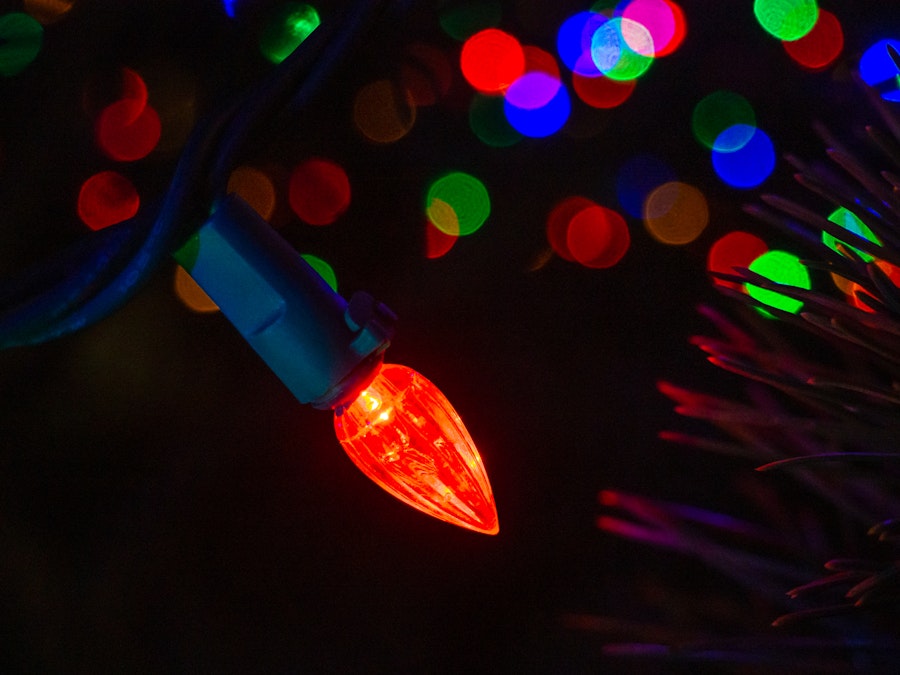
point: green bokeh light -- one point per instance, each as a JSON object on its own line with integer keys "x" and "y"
{"x": 461, "y": 20}
{"x": 782, "y": 268}
{"x": 849, "y": 221}
{"x": 466, "y": 195}
{"x": 289, "y": 25}
{"x": 719, "y": 111}
{"x": 323, "y": 268}
{"x": 787, "y": 20}
{"x": 489, "y": 123}
{"x": 20, "y": 42}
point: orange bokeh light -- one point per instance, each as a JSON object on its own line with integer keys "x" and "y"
{"x": 855, "y": 290}
{"x": 256, "y": 188}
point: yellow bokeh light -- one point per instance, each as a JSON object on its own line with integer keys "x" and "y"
{"x": 443, "y": 217}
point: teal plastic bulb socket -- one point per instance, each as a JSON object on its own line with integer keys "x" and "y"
{"x": 324, "y": 348}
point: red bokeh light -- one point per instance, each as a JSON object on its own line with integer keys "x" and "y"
{"x": 602, "y": 91}
{"x": 598, "y": 237}
{"x": 491, "y": 60}
{"x": 319, "y": 191}
{"x": 558, "y": 224}
{"x": 437, "y": 242}
{"x": 107, "y": 198}
{"x": 127, "y": 130}
{"x": 735, "y": 249}
{"x": 821, "y": 46}
{"x": 855, "y": 290}
{"x": 538, "y": 60}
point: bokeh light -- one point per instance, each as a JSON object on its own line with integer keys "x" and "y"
{"x": 491, "y": 60}
{"x": 107, "y": 198}
{"x": 734, "y": 250}
{"x": 539, "y": 60}
{"x": 319, "y": 191}
{"x": 855, "y": 290}
{"x": 573, "y": 42}
{"x": 442, "y": 217}
{"x": 601, "y": 91}
{"x": 786, "y": 19}
{"x": 289, "y": 24}
{"x": 103, "y": 87}
{"x": 384, "y": 111}
{"x": 662, "y": 18}
{"x": 488, "y": 122}
{"x": 597, "y": 237}
{"x": 676, "y": 213}
{"x": 545, "y": 105}
{"x": 461, "y": 20}
{"x": 718, "y": 111}
{"x": 437, "y": 242}
{"x": 843, "y": 284}
{"x": 191, "y": 294}
{"x": 877, "y": 69}
{"x": 821, "y": 46}
{"x": 134, "y": 89}
{"x": 750, "y": 164}
{"x": 558, "y": 224}
{"x": 126, "y": 131}
{"x": 533, "y": 90}
{"x": 850, "y": 222}
{"x": 323, "y": 269}
{"x": 622, "y": 49}
{"x": 48, "y": 11}
{"x": 255, "y": 187}
{"x": 426, "y": 74}
{"x": 457, "y": 203}
{"x": 21, "y": 37}
{"x": 637, "y": 178}
{"x": 176, "y": 98}
{"x": 782, "y": 268}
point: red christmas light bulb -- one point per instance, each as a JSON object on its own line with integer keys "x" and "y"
{"x": 402, "y": 432}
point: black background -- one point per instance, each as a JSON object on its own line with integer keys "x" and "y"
{"x": 165, "y": 505}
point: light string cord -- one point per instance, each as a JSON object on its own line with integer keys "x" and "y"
{"x": 95, "y": 277}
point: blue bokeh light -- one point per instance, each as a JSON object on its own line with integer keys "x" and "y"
{"x": 573, "y": 42}
{"x": 544, "y": 120}
{"x": 749, "y": 165}
{"x": 637, "y": 178}
{"x": 877, "y": 69}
